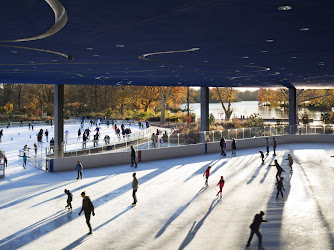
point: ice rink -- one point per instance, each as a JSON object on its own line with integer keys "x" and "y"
{"x": 174, "y": 210}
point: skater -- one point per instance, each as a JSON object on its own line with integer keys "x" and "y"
{"x": 88, "y": 208}
{"x": 207, "y": 174}
{"x": 280, "y": 187}
{"x": 66, "y": 136}
{"x": 79, "y": 168}
{"x": 25, "y": 158}
{"x": 1, "y": 133}
{"x": 5, "y": 161}
{"x": 255, "y": 227}
{"x": 134, "y": 189}
{"x": 47, "y": 135}
{"x": 84, "y": 140}
{"x": 234, "y": 147}
{"x": 267, "y": 145}
{"x": 290, "y": 162}
{"x": 262, "y": 156}
{"x": 279, "y": 170}
{"x": 52, "y": 144}
{"x": 69, "y": 199}
{"x": 133, "y": 157}
{"x": 79, "y": 134}
{"x": 221, "y": 184}
{"x": 223, "y": 146}
{"x": 154, "y": 139}
{"x": 35, "y": 147}
{"x": 274, "y": 146}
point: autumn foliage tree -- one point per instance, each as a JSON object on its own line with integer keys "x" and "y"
{"x": 226, "y": 97}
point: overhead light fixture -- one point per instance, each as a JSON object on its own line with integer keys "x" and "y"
{"x": 245, "y": 57}
{"x": 96, "y": 55}
{"x": 269, "y": 40}
{"x": 89, "y": 48}
{"x": 284, "y": 7}
{"x": 264, "y": 51}
{"x": 304, "y": 29}
{"x": 119, "y": 45}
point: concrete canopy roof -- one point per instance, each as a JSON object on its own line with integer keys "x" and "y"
{"x": 237, "y": 43}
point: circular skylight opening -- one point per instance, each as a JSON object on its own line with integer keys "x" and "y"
{"x": 284, "y": 7}
{"x": 304, "y": 29}
{"x": 269, "y": 40}
{"x": 89, "y": 48}
{"x": 245, "y": 57}
{"x": 264, "y": 51}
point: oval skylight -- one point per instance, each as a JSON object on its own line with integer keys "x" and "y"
{"x": 304, "y": 29}
{"x": 284, "y": 7}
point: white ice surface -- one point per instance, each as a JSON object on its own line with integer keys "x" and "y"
{"x": 173, "y": 210}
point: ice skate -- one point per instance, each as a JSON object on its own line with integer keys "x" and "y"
{"x": 90, "y": 233}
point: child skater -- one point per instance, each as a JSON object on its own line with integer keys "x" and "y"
{"x": 221, "y": 185}
{"x": 262, "y": 156}
{"x": 207, "y": 174}
{"x": 280, "y": 187}
{"x": 69, "y": 199}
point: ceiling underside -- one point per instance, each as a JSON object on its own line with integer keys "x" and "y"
{"x": 237, "y": 43}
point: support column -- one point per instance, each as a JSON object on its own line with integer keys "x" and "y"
{"x": 204, "y": 109}
{"x": 59, "y": 120}
{"x": 292, "y": 110}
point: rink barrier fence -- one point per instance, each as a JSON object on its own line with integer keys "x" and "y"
{"x": 155, "y": 154}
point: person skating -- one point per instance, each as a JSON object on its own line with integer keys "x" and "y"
{"x": 262, "y": 156}
{"x": 69, "y": 199}
{"x": 47, "y": 135}
{"x": 88, "y": 208}
{"x": 221, "y": 184}
{"x": 35, "y": 147}
{"x": 133, "y": 157}
{"x": 223, "y": 146}
{"x": 79, "y": 134}
{"x": 207, "y": 174}
{"x": 234, "y": 147}
{"x": 25, "y": 158}
{"x": 280, "y": 186}
{"x": 79, "y": 168}
{"x": 274, "y": 146}
{"x": 290, "y": 162}
{"x": 5, "y": 161}
{"x": 267, "y": 145}
{"x": 279, "y": 169}
{"x": 255, "y": 227}
{"x": 1, "y": 134}
{"x": 52, "y": 144}
{"x": 134, "y": 189}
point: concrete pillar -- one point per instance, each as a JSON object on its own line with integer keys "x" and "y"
{"x": 292, "y": 110}
{"x": 59, "y": 120}
{"x": 204, "y": 109}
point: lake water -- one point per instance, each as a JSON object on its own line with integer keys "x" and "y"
{"x": 247, "y": 108}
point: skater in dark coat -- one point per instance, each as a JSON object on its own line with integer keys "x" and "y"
{"x": 207, "y": 174}
{"x": 274, "y": 146}
{"x": 88, "y": 208}
{"x": 279, "y": 169}
{"x": 255, "y": 227}
{"x": 47, "y": 135}
{"x": 262, "y": 156}
{"x": 1, "y": 134}
{"x": 79, "y": 168}
{"x": 134, "y": 189}
{"x": 69, "y": 199}
{"x": 223, "y": 146}
{"x": 280, "y": 186}
{"x": 290, "y": 162}
{"x": 133, "y": 157}
{"x": 267, "y": 145}
{"x": 234, "y": 147}
{"x": 5, "y": 161}
{"x": 221, "y": 184}
{"x": 79, "y": 134}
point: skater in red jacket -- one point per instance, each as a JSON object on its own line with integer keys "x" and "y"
{"x": 221, "y": 185}
{"x": 207, "y": 174}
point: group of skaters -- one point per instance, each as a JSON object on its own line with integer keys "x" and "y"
{"x": 258, "y": 219}
{"x": 87, "y": 204}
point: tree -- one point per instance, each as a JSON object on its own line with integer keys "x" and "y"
{"x": 225, "y": 96}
